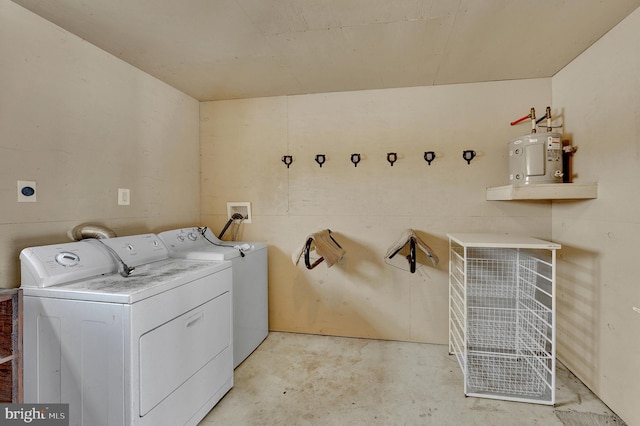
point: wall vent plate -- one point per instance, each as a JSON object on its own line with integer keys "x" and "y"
{"x": 242, "y": 207}
{"x": 26, "y": 191}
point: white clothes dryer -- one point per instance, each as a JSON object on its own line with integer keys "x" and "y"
{"x": 152, "y": 346}
{"x": 250, "y": 281}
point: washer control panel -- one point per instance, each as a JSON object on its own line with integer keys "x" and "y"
{"x": 179, "y": 240}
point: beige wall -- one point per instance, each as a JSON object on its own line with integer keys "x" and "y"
{"x": 368, "y": 206}
{"x": 598, "y": 285}
{"x": 82, "y": 123}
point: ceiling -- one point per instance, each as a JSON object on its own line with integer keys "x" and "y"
{"x": 230, "y": 49}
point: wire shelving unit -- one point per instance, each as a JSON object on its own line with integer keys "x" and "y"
{"x": 502, "y": 315}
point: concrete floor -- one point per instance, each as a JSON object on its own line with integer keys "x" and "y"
{"x": 299, "y": 379}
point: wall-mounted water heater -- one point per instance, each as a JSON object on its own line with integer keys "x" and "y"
{"x": 536, "y": 158}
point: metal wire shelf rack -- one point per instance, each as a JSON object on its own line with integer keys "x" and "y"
{"x": 502, "y": 315}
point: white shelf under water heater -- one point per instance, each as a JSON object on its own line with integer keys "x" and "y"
{"x": 543, "y": 191}
{"x": 502, "y": 315}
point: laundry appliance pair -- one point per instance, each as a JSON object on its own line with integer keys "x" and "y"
{"x": 133, "y": 331}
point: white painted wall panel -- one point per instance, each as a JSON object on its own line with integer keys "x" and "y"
{"x": 82, "y": 123}
{"x": 368, "y": 206}
{"x": 598, "y": 337}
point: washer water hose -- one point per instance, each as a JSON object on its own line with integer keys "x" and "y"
{"x": 236, "y": 216}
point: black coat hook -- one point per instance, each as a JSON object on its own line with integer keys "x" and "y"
{"x": 287, "y": 159}
{"x": 392, "y": 157}
{"x": 320, "y": 159}
{"x": 468, "y": 155}
{"x": 355, "y": 159}
{"x": 429, "y": 156}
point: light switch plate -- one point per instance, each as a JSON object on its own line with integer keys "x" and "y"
{"x": 124, "y": 197}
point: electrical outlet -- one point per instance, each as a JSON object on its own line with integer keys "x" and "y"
{"x": 124, "y": 197}
{"x": 26, "y": 191}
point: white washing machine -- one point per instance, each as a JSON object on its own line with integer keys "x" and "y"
{"x": 151, "y": 348}
{"x": 250, "y": 281}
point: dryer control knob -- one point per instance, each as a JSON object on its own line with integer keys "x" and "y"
{"x": 192, "y": 236}
{"x": 67, "y": 259}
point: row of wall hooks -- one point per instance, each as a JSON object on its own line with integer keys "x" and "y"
{"x": 392, "y": 157}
